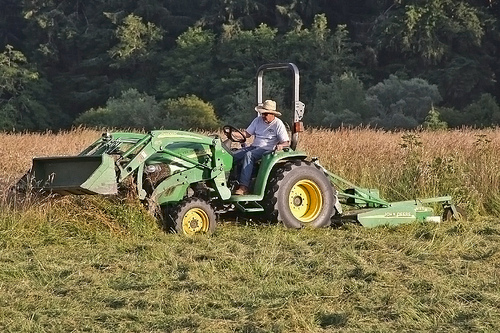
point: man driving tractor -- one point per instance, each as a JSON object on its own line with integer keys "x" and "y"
{"x": 270, "y": 134}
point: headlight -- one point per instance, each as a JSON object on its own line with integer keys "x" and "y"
{"x": 152, "y": 168}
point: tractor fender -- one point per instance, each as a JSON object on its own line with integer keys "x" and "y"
{"x": 166, "y": 192}
{"x": 174, "y": 187}
{"x": 268, "y": 162}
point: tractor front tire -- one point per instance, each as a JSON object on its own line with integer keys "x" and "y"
{"x": 300, "y": 195}
{"x": 191, "y": 216}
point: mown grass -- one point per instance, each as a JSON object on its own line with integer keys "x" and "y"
{"x": 120, "y": 272}
{"x": 104, "y": 265}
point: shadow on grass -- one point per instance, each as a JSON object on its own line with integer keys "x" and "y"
{"x": 327, "y": 320}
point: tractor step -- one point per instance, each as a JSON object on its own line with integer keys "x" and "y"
{"x": 249, "y": 197}
{"x": 249, "y": 206}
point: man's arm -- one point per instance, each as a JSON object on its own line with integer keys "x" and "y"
{"x": 246, "y": 134}
{"x": 282, "y": 135}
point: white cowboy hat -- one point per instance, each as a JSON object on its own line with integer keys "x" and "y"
{"x": 269, "y": 106}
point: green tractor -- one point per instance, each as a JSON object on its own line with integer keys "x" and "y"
{"x": 190, "y": 177}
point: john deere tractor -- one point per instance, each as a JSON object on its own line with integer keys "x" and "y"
{"x": 190, "y": 177}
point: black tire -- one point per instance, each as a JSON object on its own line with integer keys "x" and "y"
{"x": 300, "y": 195}
{"x": 448, "y": 214}
{"x": 191, "y": 216}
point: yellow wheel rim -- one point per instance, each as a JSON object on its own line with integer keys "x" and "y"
{"x": 195, "y": 220}
{"x": 305, "y": 200}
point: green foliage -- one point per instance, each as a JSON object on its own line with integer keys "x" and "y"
{"x": 131, "y": 110}
{"x": 396, "y": 120}
{"x": 141, "y": 111}
{"x": 239, "y": 53}
{"x": 246, "y": 48}
{"x": 86, "y": 53}
{"x": 454, "y": 118}
{"x": 189, "y": 112}
{"x": 69, "y": 43}
{"x": 319, "y": 53}
{"x": 24, "y": 104}
{"x": 433, "y": 122}
{"x": 483, "y": 112}
{"x": 239, "y": 107}
{"x": 136, "y": 55}
{"x": 443, "y": 41}
{"x": 136, "y": 39}
{"x": 187, "y": 68}
{"x": 431, "y": 28}
{"x": 462, "y": 79}
{"x": 340, "y": 102}
{"x": 304, "y": 43}
{"x": 401, "y": 103}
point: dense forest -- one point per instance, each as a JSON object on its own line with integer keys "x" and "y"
{"x": 192, "y": 63}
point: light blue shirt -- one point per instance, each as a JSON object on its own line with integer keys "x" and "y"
{"x": 267, "y": 136}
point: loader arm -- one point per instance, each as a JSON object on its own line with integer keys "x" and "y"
{"x": 174, "y": 187}
{"x": 212, "y": 170}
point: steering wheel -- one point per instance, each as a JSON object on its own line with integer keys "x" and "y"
{"x": 234, "y": 134}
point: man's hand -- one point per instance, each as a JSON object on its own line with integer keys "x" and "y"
{"x": 281, "y": 145}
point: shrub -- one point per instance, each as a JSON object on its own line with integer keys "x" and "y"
{"x": 342, "y": 101}
{"x": 398, "y": 99}
{"x": 433, "y": 122}
{"x": 131, "y": 110}
{"x": 189, "y": 112}
{"x": 453, "y": 117}
{"x": 484, "y": 112}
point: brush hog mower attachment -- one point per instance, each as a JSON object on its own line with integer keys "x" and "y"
{"x": 186, "y": 178}
{"x": 372, "y": 211}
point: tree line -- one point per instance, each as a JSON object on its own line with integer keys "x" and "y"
{"x": 191, "y": 64}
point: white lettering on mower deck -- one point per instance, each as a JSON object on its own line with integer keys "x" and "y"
{"x": 398, "y": 214}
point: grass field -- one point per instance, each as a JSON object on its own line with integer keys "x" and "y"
{"x": 94, "y": 264}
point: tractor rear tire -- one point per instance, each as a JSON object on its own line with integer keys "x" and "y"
{"x": 300, "y": 195}
{"x": 191, "y": 216}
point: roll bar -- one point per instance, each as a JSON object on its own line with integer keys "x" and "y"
{"x": 297, "y": 105}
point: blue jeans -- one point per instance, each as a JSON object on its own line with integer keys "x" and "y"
{"x": 247, "y": 156}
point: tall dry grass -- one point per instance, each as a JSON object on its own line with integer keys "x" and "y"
{"x": 17, "y": 150}
{"x": 405, "y": 165}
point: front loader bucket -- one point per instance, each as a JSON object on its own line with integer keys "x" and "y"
{"x": 75, "y": 174}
